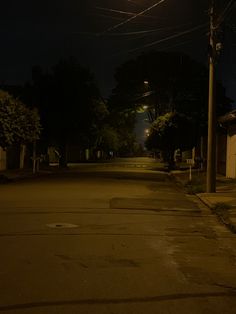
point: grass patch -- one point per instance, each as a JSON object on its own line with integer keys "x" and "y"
{"x": 195, "y": 189}
{"x": 195, "y": 186}
{"x": 222, "y": 209}
{"x": 222, "y": 206}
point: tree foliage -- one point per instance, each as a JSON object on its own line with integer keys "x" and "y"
{"x": 70, "y": 104}
{"x": 174, "y": 90}
{"x": 18, "y": 124}
{"x": 172, "y": 131}
{"x": 109, "y": 139}
{"x": 174, "y": 82}
{"x": 122, "y": 122}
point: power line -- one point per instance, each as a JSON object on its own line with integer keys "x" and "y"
{"x": 183, "y": 42}
{"x": 133, "y": 17}
{"x": 224, "y": 13}
{"x": 135, "y": 3}
{"x": 136, "y": 33}
{"x": 115, "y": 11}
{"x": 191, "y": 30}
{"x": 108, "y": 16}
{"x": 155, "y": 30}
{"x": 232, "y": 27}
{"x": 123, "y": 12}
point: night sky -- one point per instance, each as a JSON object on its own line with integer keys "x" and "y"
{"x": 42, "y": 32}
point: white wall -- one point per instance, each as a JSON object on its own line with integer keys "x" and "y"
{"x": 231, "y": 154}
{"x": 3, "y": 159}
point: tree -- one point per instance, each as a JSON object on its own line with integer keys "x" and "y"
{"x": 169, "y": 86}
{"x": 170, "y": 132}
{"x": 18, "y": 124}
{"x": 174, "y": 82}
{"x": 122, "y": 121}
{"x": 108, "y": 139}
{"x": 70, "y": 104}
{"x": 168, "y": 76}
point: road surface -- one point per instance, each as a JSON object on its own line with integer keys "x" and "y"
{"x": 117, "y": 239}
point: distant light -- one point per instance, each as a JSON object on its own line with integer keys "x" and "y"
{"x": 145, "y": 107}
{"x": 147, "y": 132}
{"x": 146, "y": 82}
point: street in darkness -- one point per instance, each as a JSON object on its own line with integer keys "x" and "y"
{"x": 85, "y": 227}
{"x": 112, "y": 238}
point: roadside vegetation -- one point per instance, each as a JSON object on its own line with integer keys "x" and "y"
{"x": 171, "y": 88}
{"x": 19, "y": 124}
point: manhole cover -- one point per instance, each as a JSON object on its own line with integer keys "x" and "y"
{"x": 61, "y": 225}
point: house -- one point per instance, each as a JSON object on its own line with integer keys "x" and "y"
{"x": 228, "y": 123}
{"x": 15, "y": 157}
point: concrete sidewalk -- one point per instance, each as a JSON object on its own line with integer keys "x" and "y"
{"x": 222, "y": 203}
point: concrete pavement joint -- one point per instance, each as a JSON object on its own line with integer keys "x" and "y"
{"x": 168, "y": 235}
{"x": 61, "y": 225}
{"x": 160, "y": 298}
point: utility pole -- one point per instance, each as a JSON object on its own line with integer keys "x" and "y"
{"x": 211, "y": 148}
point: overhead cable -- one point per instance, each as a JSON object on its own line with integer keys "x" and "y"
{"x": 191, "y": 30}
{"x": 141, "y": 32}
{"x": 224, "y": 13}
{"x": 184, "y": 42}
{"x": 155, "y": 30}
{"x": 133, "y": 17}
{"x": 123, "y": 12}
{"x": 115, "y": 11}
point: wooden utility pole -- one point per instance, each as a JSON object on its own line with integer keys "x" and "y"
{"x": 211, "y": 149}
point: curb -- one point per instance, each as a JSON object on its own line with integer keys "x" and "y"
{"x": 219, "y": 213}
{"x": 226, "y": 221}
{"x": 6, "y": 179}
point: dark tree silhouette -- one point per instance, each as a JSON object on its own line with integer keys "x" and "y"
{"x": 164, "y": 83}
{"x": 70, "y": 105}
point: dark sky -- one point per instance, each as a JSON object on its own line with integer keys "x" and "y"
{"x": 41, "y": 32}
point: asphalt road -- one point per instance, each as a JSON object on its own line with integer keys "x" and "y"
{"x": 112, "y": 239}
